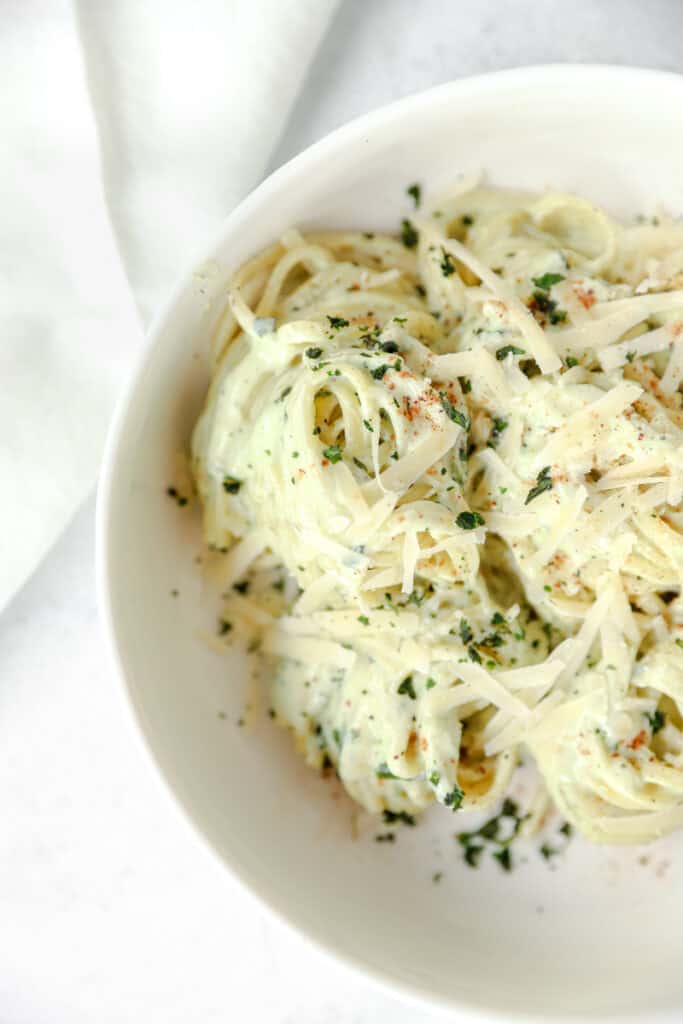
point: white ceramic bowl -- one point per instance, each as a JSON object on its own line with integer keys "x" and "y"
{"x": 600, "y": 936}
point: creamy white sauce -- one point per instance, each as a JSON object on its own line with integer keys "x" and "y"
{"x": 378, "y": 411}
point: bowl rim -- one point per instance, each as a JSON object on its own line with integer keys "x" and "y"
{"x": 624, "y": 76}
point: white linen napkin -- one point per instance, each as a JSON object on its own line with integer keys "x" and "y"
{"x": 130, "y": 129}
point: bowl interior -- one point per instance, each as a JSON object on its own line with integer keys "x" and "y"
{"x": 597, "y": 933}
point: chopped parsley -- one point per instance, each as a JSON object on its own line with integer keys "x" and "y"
{"x": 284, "y": 394}
{"x": 224, "y": 627}
{"x": 546, "y": 281}
{"x": 504, "y": 858}
{"x": 180, "y": 499}
{"x": 332, "y": 453}
{"x": 392, "y": 817}
{"x": 472, "y": 853}
{"x": 467, "y": 220}
{"x": 542, "y": 302}
{"x": 314, "y": 353}
{"x": 455, "y": 798}
{"x": 364, "y": 620}
{"x": 430, "y": 684}
{"x": 231, "y": 484}
{"x": 416, "y": 192}
{"x": 453, "y": 413}
{"x": 435, "y": 778}
{"x": 379, "y": 371}
{"x": 386, "y": 837}
{"x": 474, "y": 655}
{"x": 508, "y": 350}
{"x": 469, "y": 520}
{"x": 657, "y": 720}
{"x": 466, "y": 634}
{"x": 466, "y": 385}
{"x": 493, "y": 640}
{"x": 337, "y": 321}
{"x": 384, "y": 773}
{"x": 571, "y": 362}
{"x": 630, "y": 356}
{"x": 409, "y": 235}
{"x": 493, "y": 833}
{"x": 241, "y": 587}
{"x": 368, "y": 426}
{"x": 406, "y": 688}
{"x": 543, "y": 483}
{"x": 446, "y": 265}
{"x": 391, "y": 346}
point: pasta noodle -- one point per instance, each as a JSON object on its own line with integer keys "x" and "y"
{"x": 446, "y": 473}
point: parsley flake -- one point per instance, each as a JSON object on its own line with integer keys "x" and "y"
{"x": 416, "y": 192}
{"x": 546, "y": 281}
{"x": 332, "y": 453}
{"x": 453, "y": 413}
{"x": 409, "y": 235}
{"x": 446, "y": 265}
{"x": 469, "y": 520}
{"x": 504, "y": 858}
{"x": 543, "y": 483}
{"x": 391, "y": 817}
{"x": 508, "y": 350}
{"x": 455, "y": 798}
{"x": 407, "y": 689}
{"x": 231, "y": 484}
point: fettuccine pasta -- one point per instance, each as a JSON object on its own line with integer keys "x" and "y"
{"x": 445, "y": 473}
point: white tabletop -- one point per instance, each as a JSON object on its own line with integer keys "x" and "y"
{"x": 109, "y": 909}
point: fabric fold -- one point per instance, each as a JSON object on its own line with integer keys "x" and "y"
{"x": 130, "y": 131}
